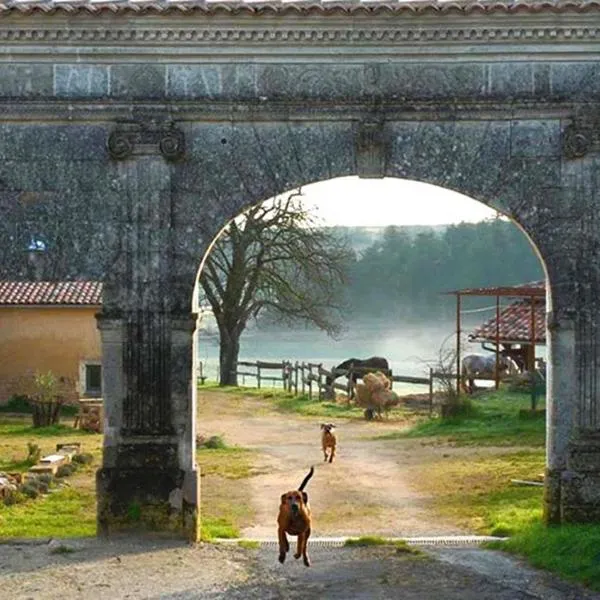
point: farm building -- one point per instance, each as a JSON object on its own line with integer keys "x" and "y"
{"x": 515, "y": 329}
{"x": 50, "y": 326}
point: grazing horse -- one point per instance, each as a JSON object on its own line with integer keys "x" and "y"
{"x": 476, "y": 366}
{"x": 374, "y": 363}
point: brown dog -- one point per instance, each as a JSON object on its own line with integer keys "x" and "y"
{"x": 295, "y": 518}
{"x": 328, "y": 440}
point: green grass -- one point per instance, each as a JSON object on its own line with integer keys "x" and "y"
{"x": 67, "y": 512}
{"x": 571, "y": 551}
{"x": 375, "y": 540}
{"x": 16, "y": 427}
{"x": 217, "y": 527}
{"x": 493, "y": 421}
{"x": 231, "y": 462}
{"x": 249, "y": 544}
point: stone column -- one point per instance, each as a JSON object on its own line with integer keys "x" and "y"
{"x": 574, "y": 418}
{"x": 148, "y": 478}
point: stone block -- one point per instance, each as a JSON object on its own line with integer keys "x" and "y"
{"x": 81, "y": 81}
{"x": 511, "y": 80}
{"x": 143, "y": 81}
{"x": 535, "y": 139}
{"x": 26, "y": 81}
{"x": 433, "y": 81}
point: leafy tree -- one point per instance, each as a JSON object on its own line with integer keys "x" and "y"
{"x": 273, "y": 259}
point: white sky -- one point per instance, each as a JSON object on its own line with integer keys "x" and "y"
{"x": 352, "y": 201}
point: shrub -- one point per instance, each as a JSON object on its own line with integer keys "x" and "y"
{"x": 18, "y": 404}
{"x": 34, "y": 453}
{"x": 83, "y": 458}
{"x": 46, "y": 478}
{"x": 14, "y": 497}
{"x": 215, "y": 441}
{"x": 66, "y": 470}
{"x": 30, "y": 489}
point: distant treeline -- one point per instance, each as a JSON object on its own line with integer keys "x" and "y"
{"x": 403, "y": 274}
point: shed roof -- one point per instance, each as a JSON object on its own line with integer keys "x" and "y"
{"x": 515, "y": 324}
{"x": 54, "y": 293}
{"x": 532, "y": 288}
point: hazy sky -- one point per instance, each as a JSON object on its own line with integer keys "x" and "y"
{"x": 376, "y": 202}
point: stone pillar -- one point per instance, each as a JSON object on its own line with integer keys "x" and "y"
{"x": 560, "y": 409}
{"x": 148, "y": 478}
{"x": 574, "y": 418}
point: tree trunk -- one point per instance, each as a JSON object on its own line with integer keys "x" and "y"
{"x": 228, "y": 358}
{"x": 46, "y": 413}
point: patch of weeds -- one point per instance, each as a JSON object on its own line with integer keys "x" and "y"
{"x": 66, "y": 470}
{"x": 83, "y": 458}
{"x": 214, "y": 442}
{"x": 134, "y": 512}
{"x": 249, "y": 544}
{"x": 61, "y": 549}
{"x": 402, "y": 547}
{"x": 367, "y": 540}
{"x": 217, "y": 528}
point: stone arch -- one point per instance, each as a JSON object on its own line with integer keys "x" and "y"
{"x": 134, "y": 163}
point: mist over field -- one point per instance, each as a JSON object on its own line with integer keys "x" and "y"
{"x": 409, "y": 346}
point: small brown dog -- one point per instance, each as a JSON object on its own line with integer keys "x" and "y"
{"x": 295, "y": 518}
{"x": 328, "y": 440}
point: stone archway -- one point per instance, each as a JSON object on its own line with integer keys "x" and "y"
{"x": 132, "y": 143}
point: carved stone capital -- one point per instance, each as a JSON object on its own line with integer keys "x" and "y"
{"x": 141, "y": 138}
{"x": 370, "y": 149}
{"x": 582, "y": 135}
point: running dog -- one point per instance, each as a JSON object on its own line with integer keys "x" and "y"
{"x": 328, "y": 440}
{"x": 295, "y": 519}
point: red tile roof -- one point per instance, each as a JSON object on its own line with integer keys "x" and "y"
{"x": 72, "y": 293}
{"x": 515, "y": 324}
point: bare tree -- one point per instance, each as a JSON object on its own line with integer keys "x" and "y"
{"x": 273, "y": 258}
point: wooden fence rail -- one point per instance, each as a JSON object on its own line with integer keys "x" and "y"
{"x": 303, "y": 378}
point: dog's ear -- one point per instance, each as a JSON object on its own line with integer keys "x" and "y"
{"x": 322, "y": 425}
{"x": 283, "y": 498}
{"x": 305, "y": 497}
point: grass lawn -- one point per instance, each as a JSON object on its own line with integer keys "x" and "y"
{"x": 71, "y": 511}
{"x": 494, "y": 420}
{"x": 66, "y": 511}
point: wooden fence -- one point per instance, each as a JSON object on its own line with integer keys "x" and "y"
{"x": 303, "y": 378}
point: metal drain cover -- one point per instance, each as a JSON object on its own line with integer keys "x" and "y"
{"x": 434, "y": 540}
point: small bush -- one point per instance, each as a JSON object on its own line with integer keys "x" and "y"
{"x": 66, "y": 470}
{"x": 17, "y": 404}
{"x": 34, "y": 453}
{"x": 30, "y": 489}
{"x": 215, "y": 441}
{"x": 14, "y": 497}
{"x": 83, "y": 459}
{"x": 46, "y": 478}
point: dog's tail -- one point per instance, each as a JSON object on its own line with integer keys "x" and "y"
{"x": 305, "y": 480}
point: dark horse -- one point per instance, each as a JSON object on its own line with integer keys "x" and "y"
{"x": 364, "y": 365}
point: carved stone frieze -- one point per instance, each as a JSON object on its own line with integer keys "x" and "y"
{"x": 137, "y": 138}
{"x": 244, "y": 34}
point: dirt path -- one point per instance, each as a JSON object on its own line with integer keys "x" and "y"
{"x": 365, "y": 491}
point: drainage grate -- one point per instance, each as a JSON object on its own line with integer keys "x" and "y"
{"x": 332, "y": 542}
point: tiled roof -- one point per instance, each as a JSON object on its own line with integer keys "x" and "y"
{"x": 515, "y": 324}
{"x": 300, "y": 6}
{"x": 73, "y": 293}
{"x": 532, "y": 288}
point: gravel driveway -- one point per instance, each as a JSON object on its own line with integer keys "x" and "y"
{"x": 146, "y": 569}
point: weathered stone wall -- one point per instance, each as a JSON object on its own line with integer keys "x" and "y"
{"x": 128, "y": 142}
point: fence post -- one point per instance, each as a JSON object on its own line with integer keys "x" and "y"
{"x": 258, "y": 374}
{"x": 310, "y": 381}
{"x": 302, "y": 376}
{"x": 296, "y": 368}
{"x": 349, "y": 388}
{"x": 430, "y": 391}
{"x": 320, "y": 380}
